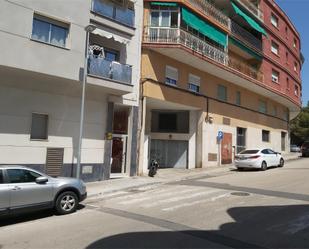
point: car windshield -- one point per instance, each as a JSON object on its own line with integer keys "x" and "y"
{"x": 249, "y": 152}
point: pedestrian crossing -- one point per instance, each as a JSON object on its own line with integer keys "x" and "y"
{"x": 168, "y": 198}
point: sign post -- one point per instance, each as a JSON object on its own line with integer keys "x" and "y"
{"x": 219, "y": 140}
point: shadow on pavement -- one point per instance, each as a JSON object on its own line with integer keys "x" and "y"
{"x": 254, "y": 227}
{"x": 29, "y": 216}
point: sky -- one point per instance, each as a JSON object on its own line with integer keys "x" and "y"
{"x": 298, "y": 10}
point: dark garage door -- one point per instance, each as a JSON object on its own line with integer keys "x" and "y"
{"x": 169, "y": 153}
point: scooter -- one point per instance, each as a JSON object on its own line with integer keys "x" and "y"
{"x": 153, "y": 168}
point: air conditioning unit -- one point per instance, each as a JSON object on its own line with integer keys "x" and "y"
{"x": 274, "y": 79}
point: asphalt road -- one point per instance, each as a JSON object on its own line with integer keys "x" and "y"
{"x": 249, "y": 209}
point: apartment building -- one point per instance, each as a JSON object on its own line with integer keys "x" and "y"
{"x": 217, "y": 77}
{"x": 43, "y": 53}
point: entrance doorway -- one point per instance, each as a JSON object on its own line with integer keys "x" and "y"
{"x": 226, "y": 149}
{"x": 120, "y": 139}
{"x": 241, "y": 139}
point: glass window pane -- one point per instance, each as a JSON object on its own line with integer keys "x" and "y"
{"x": 111, "y": 55}
{"x": 125, "y": 16}
{"x": 40, "y": 30}
{"x": 104, "y": 8}
{"x": 58, "y": 35}
{"x": 165, "y": 19}
{"x": 222, "y": 93}
{"x": 174, "y": 19}
{"x": 21, "y": 175}
{"x": 155, "y": 19}
{"x": 39, "y": 126}
{"x": 1, "y": 176}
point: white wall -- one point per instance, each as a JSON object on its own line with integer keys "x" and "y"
{"x": 16, "y": 107}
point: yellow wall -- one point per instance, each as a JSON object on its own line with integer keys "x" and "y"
{"x": 153, "y": 67}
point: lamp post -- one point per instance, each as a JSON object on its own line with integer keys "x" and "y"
{"x": 88, "y": 29}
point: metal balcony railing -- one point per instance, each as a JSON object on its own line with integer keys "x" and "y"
{"x": 210, "y": 10}
{"x": 113, "y": 70}
{"x": 253, "y": 9}
{"x": 245, "y": 68}
{"x": 179, "y": 36}
{"x": 110, "y": 10}
{"x": 245, "y": 35}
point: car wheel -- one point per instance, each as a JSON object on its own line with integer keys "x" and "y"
{"x": 264, "y": 166}
{"x": 66, "y": 203}
{"x": 281, "y": 164}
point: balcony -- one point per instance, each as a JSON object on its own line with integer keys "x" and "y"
{"x": 108, "y": 9}
{"x": 112, "y": 70}
{"x": 210, "y": 10}
{"x": 246, "y": 36}
{"x": 178, "y": 36}
{"x": 245, "y": 68}
{"x": 255, "y": 10}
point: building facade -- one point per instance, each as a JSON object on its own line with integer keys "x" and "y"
{"x": 43, "y": 47}
{"x": 213, "y": 69}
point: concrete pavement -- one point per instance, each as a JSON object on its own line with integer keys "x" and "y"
{"x": 123, "y": 185}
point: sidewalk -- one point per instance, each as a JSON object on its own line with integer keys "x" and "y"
{"x": 130, "y": 184}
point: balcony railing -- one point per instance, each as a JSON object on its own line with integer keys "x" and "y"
{"x": 210, "y": 10}
{"x": 179, "y": 36}
{"x": 243, "y": 34}
{"x": 103, "y": 68}
{"x": 112, "y": 11}
{"x": 246, "y": 69}
{"x": 253, "y": 9}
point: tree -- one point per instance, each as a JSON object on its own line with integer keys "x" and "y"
{"x": 300, "y": 126}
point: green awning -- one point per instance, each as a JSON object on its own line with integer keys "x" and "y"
{"x": 246, "y": 49}
{"x": 203, "y": 27}
{"x": 249, "y": 20}
{"x": 165, "y": 4}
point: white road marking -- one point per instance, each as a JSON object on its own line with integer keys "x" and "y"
{"x": 188, "y": 204}
{"x": 180, "y": 198}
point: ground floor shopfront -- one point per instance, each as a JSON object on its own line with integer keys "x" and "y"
{"x": 39, "y": 128}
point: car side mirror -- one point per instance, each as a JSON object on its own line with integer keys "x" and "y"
{"x": 41, "y": 180}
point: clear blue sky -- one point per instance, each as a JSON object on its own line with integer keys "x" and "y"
{"x": 298, "y": 11}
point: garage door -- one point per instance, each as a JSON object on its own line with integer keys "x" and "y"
{"x": 169, "y": 153}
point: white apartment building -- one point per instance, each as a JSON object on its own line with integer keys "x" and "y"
{"x": 43, "y": 47}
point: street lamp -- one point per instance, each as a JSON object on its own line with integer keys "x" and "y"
{"x": 88, "y": 29}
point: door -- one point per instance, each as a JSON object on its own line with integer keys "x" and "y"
{"x": 119, "y": 153}
{"x": 283, "y": 145}
{"x": 275, "y": 158}
{"x": 170, "y": 153}
{"x": 4, "y": 193}
{"x": 25, "y": 191}
{"x": 241, "y": 139}
{"x": 268, "y": 157}
{"x": 226, "y": 149}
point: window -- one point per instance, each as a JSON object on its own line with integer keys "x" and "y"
{"x": 111, "y": 55}
{"x": 49, "y": 31}
{"x": 286, "y": 32}
{"x": 164, "y": 18}
{"x": 1, "y": 177}
{"x": 295, "y": 66}
{"x": 171, "y": 75}
{"x": 265, "y": 136}
{"x": 274, "y": 48}
{"x": 287, "y": 57}
{"x": 262, "y": 106}
{"x": 296, "y": 91}
{"x": 275, "y": 112}
{"x": 275, "y": 76}
{"x": 238, "y": 98}
{"x": 194, "y": 83}
{"x": 274, "y": 20}
{"x": 39, "y": 126}
{"x": 117, "y": 11}
{"x": 170, "y": 121}
{"x": 21, "y": 175}
{"x": 222, "y": 93}
{"x": 287, "y": 84}
{"x": 294, "y": 43}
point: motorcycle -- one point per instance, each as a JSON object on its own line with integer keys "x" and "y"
{"x": 153, "y": 168}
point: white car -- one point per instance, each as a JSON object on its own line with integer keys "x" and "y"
{"x": 258, "y": 159}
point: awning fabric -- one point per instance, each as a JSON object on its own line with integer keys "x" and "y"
{"x": 109, "y": 35}
{"x": 244, "y": 48}
{"x": 249, "y": 20}
{"x": 165, "y": 4}
{"x": 203, "y": 27}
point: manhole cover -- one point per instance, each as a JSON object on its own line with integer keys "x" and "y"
{"x": 240, "y": 194}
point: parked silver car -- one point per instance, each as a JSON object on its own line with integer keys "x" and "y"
{"x": 25, "y": 189}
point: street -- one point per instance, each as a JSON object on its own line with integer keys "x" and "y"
{"x": 249, "y": 209}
